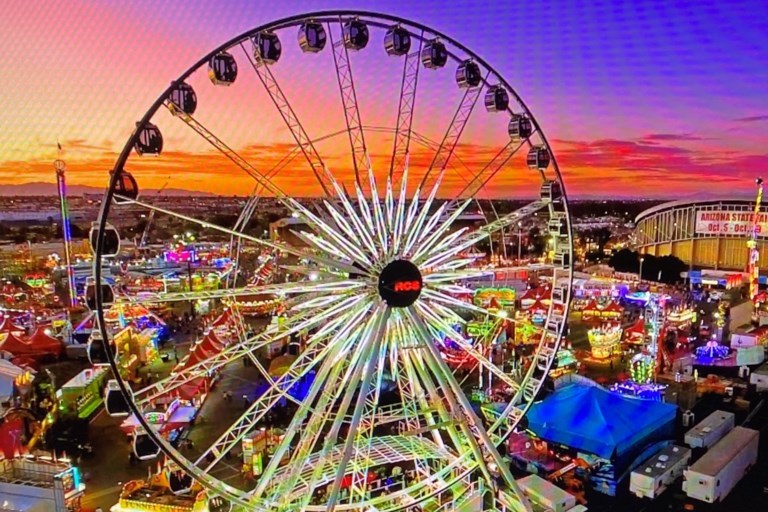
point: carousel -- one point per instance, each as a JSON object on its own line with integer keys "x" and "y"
{"x": 605, "y": 340}
{"x": 681, "y": 318}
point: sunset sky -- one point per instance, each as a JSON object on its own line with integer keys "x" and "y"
{"x": 638, "y": 98}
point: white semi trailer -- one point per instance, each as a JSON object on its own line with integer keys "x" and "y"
{"x": 654, "y": 475}
{"x": 710, "y": 430}
{"x": 713, "y": 476}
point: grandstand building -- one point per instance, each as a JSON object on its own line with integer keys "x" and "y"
{"x": 708, "y": 234}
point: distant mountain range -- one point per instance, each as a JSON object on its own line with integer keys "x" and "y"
{"x": 50, "y": 189}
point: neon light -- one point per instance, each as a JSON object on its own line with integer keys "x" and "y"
{"x": 66, "y": 230}
{"x": 407, "y": 286}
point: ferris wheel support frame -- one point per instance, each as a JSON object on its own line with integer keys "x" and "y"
{"x": 561, "y": 254}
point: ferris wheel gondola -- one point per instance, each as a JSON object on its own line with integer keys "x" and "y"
{"x": 397, "y": 41}
{"x": 115, "y": 401}
{"x": 184, "y": 99}
{"x": 382, "y": 265}
{"x": 110, "y": 241}
{"x": 434, "y": 55}
{"x": 143, "y": 445}
{"x": 149, "y": 141}
{"x": 222, "y": 69}
{"x": 312, "y": 37}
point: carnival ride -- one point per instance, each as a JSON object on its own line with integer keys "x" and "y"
{"x": 66, "y": 229}
{"x": 754, "y": 255}
{"x": 386, "y": 261}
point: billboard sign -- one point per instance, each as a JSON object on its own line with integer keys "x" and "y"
{"x": 718, "y": 222}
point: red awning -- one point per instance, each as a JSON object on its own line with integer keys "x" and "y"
{"x": 9, "y": 327}
{"x": 43, "y": 343}
{"x": 15, "y": 345}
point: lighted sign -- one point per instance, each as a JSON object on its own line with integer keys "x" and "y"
{"x": 400, "y": 284}
{"x": 70, "y": 481}
{"x": 720, "y": 222}
{"x": 154, "y": 418}
{"x": 407, "y": 286}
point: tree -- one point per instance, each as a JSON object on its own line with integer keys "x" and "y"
{"x": 625, "y": 260}
{"x": 665, "y": 269}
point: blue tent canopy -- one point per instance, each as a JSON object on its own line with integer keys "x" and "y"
{"x": 594, "y": 420}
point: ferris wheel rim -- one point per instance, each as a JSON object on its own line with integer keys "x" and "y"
{"x": 125, "y": 153}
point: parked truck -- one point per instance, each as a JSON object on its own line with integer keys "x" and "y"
{"x": 713, "y": 476}
{"x": 710, "y": 430}
{"x": 654, "y": 475}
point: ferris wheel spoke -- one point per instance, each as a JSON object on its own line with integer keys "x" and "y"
{"x": 352, "y": 228}
{"x": 414, "y": 224}
{"x": 379, "y": 218}
{"x": 349, "y": 103}
{"x": 290, "y": 118}
{"x": 325, "y": 392}
{"x": 503, "y": 222}
{"x": 438, "y": 325}
{"x": 451, "y": 417}
{"x": 337, "y": 285}
{"x": 329, "y": 262}
{"x": 439, "y": 239}
{"x": 453, "y": 133}
{"x": 449, "y": 277}
{"x": 262, "y": 179}
{"x": 366, "y": 403}
{"x": 407, "y": 105}
{"x": 319, "y": 346}
{"x": 455, "y": 393}
{"x": 486, "y": 174}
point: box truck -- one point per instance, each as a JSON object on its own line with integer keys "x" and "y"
{"x": 713, "y": 476}
{"x": 710, "y": 430}
{"x": 654, "y": 475}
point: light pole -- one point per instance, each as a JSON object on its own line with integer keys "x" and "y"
{"x": 641, "y": 268}
{"x": 519, "y": 241}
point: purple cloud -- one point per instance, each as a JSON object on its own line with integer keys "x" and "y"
{"x": 671, "y": 137}
{"x": 752, "y": 119}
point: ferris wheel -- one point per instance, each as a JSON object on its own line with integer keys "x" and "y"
{"x": 428, "y": 134}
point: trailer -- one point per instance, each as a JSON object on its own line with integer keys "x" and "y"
{"x": 654, "y": 475}
{"x": 713, "y": 476}
{"x": 710, "y": 430}
{"x": 545, "y": 494}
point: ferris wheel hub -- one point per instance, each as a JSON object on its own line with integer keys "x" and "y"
{"x": 400, "y": 284}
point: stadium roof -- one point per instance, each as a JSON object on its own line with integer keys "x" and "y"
{"x": 681, "y": 203}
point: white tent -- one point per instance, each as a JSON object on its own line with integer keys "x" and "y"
{"x": 8, "y": 373}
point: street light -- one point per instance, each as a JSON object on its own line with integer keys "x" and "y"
{"x": 641, "y": 267}
{"x": 519, "y": 241}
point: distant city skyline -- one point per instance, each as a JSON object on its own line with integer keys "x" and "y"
{"x": 637, "y": 98}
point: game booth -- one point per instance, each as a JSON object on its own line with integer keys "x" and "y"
{"x": 612, "y": 312}
{"x": 82, "y": 395}
{"x": 135, "y": 348}
{"x": 591, "y": 311}
{"x": 504, "y": 297}
{"x": 169, "y": 421}
{"x": 541, "y": 294}
{"x": 613, "y": 433}
{"x": 259, "y": 306}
